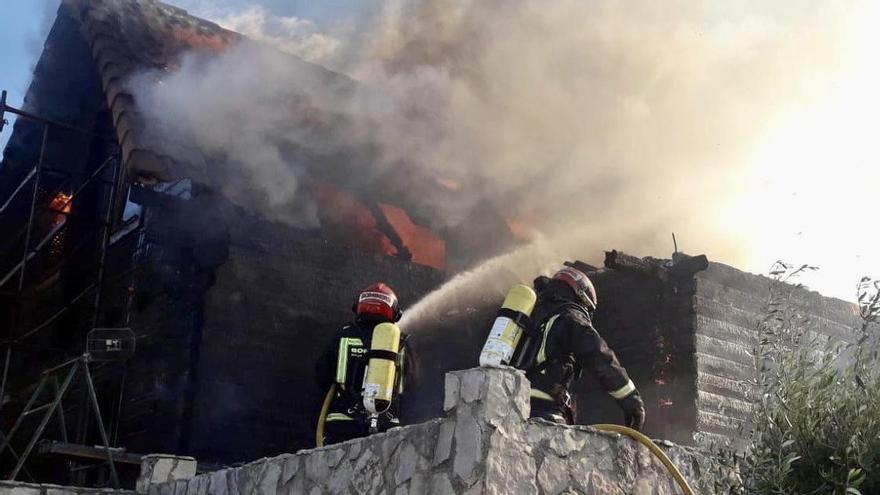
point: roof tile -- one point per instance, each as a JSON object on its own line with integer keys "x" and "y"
{"x": 131, "y": 35}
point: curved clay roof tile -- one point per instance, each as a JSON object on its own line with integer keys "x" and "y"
{"x": 121, "y": 104}
{"x": 116, "y": 58}
{"x": 103, "y": 45}
{"x": 113, "y": 73}
{"x": 126, "y": 124}
{"x": 132, "y": 36}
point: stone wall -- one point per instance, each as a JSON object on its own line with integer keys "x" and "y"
{"x": 484, "y": 444}
{"x": 19, "y": 488}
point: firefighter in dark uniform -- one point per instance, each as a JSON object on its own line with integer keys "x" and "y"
{"x": 568, "y": 345}
{"x": 344, "y": 363}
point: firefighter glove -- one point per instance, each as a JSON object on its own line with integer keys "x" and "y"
{"x": 540, "y": 283}
{"x": 633, "y": 411}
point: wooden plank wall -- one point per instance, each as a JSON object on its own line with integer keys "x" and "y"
{"x": 728, "y": 303}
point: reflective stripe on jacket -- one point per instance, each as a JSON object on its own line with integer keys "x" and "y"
{"x": 570, "y": 344}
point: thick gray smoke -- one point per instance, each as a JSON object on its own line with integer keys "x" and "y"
{"x": 622, "y": 122}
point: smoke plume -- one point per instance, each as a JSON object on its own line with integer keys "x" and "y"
{"x": 621, "y": 122}
{"x": 290, "y": 34}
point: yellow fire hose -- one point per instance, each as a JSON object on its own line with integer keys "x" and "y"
{"x": 642, "y": 439}
{"x": 319, "y": 431}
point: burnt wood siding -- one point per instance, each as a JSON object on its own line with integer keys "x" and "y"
{"x": 279, "y": 299}
{"x": 232, "y": 312}
{"x": 648, "y": 322}
{"x": 728, "y": 305}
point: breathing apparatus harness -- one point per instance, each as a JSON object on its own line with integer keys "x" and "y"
{"x": 382, "y": 378}
{"x": 382, "y": 375}
{"x": 528, "y": 356}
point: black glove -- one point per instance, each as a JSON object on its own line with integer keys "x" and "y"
{"x": 633, "y": 411}
{"x": 540, "y": 283}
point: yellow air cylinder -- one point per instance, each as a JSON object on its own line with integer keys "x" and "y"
{"x": 379, "y": 380}
{"x": 509, "y": 326}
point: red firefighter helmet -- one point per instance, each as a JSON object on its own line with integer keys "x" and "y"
{"x": 580, "y": 283}
{"x": 377, "y": 302}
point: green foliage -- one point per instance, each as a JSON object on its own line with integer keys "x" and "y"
{"x": 815, "y": 426}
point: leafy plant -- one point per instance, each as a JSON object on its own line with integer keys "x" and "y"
{"x": 815, "y": 426}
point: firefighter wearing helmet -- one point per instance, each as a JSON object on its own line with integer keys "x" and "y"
{"x": 342, "y": 369}
{"x": 566, "y": 344}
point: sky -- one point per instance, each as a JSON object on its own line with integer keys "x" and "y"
{"x": 23, "y": 25}
{"x": 807, "y": 191}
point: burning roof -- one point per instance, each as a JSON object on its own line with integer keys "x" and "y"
{"x": 354, "y": 200}
{"x": 127, "y": 36}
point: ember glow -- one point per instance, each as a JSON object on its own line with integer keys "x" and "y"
{"x": 195, "y": 39}
{"x": 62, "y": 204}
{"x": 661, "y": 365}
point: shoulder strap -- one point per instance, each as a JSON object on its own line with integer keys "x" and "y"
{"x": 537, "y": 336}
{"x": 345, "y": 343}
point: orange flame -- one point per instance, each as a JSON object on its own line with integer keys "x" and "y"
{"x": 62, "y": 202}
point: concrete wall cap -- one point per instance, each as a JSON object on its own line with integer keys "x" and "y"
{"x": 169, "y": 456}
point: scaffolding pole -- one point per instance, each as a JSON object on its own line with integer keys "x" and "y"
{"x": 4, "y": 107}
{"x": 105, "y": 240}
{"x": 27, "y": 236}
{"x": 5, "y": 374}
{"x": 18, "y": 189}
{"x": 106, "y": 222}
{"x": 81, "y": 365}
{"x": 23, "y": 264}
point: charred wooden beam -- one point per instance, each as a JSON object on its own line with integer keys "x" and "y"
{"x": 680, "y": 265}
{"x": 87, "y": 452}
{"x": 385, "y": 227}
{"x": 617, "y": 260}
{"x": 683, "y": 264}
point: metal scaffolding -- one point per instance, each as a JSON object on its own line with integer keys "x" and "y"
{"x": 36, "y": 237}
{"x": 54, "y": 408}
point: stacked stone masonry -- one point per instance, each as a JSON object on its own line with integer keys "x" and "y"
{"x": 18, "y": 488}
{"x": 160, "y": 468}
{"x": 485, "y": 444}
